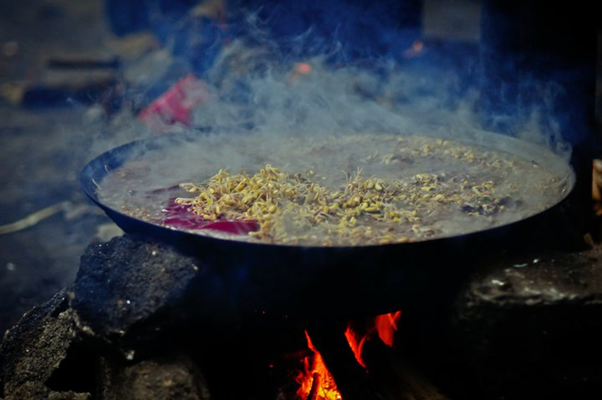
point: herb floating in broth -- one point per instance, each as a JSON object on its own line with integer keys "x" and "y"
{"x": 296, "y": 209}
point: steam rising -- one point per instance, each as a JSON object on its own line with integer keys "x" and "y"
{"x": 261, "y": 92}
{"x": 361, "y": 79}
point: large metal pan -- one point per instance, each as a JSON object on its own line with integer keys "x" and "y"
{"x": 332, "y": 280}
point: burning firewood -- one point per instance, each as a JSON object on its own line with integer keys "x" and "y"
{"x": 597, "y": 186}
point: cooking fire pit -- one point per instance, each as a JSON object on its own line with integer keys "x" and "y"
{"x": 144, "y": 319}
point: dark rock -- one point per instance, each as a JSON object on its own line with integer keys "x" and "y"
{"x": 33, "y": 350}
{"x": 174, "y": 378}
{"x": 54, "y": 352}
{"x": 132, "y": 290}
{"x": 123, "y": 282}
{"x": 524, "y": 327}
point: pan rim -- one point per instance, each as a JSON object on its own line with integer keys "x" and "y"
{"x": 117, "y": 156}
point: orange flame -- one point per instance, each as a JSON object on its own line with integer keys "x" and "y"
{"x": 315, "y": 379}
{"x": 317, "y": 383}
{"x": 356, "y": 341}
{"x": 386, "y": 326}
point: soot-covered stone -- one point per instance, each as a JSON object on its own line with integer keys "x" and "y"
{"x": 45, "y": 357}
{"x": 34, "y": 349}
{"x": 134, "y": 290}
{"x": 525, "y": 326}
{"x": 174, "y": 378}
{"x": 114, "y": 334}
{"x": 125, "y": 281}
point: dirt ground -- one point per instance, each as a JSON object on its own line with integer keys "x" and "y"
{"x": 41, "y": 153}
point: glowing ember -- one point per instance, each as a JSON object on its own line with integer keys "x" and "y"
{"x": 303, "y": 68}
{"x": 317, "y": 383}
{"x": 415, "y": 50}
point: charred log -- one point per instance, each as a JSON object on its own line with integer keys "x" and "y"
{"x": 397, "y": 377}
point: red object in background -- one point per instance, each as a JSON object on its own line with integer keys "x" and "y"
{"x": 175, "y": 104}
